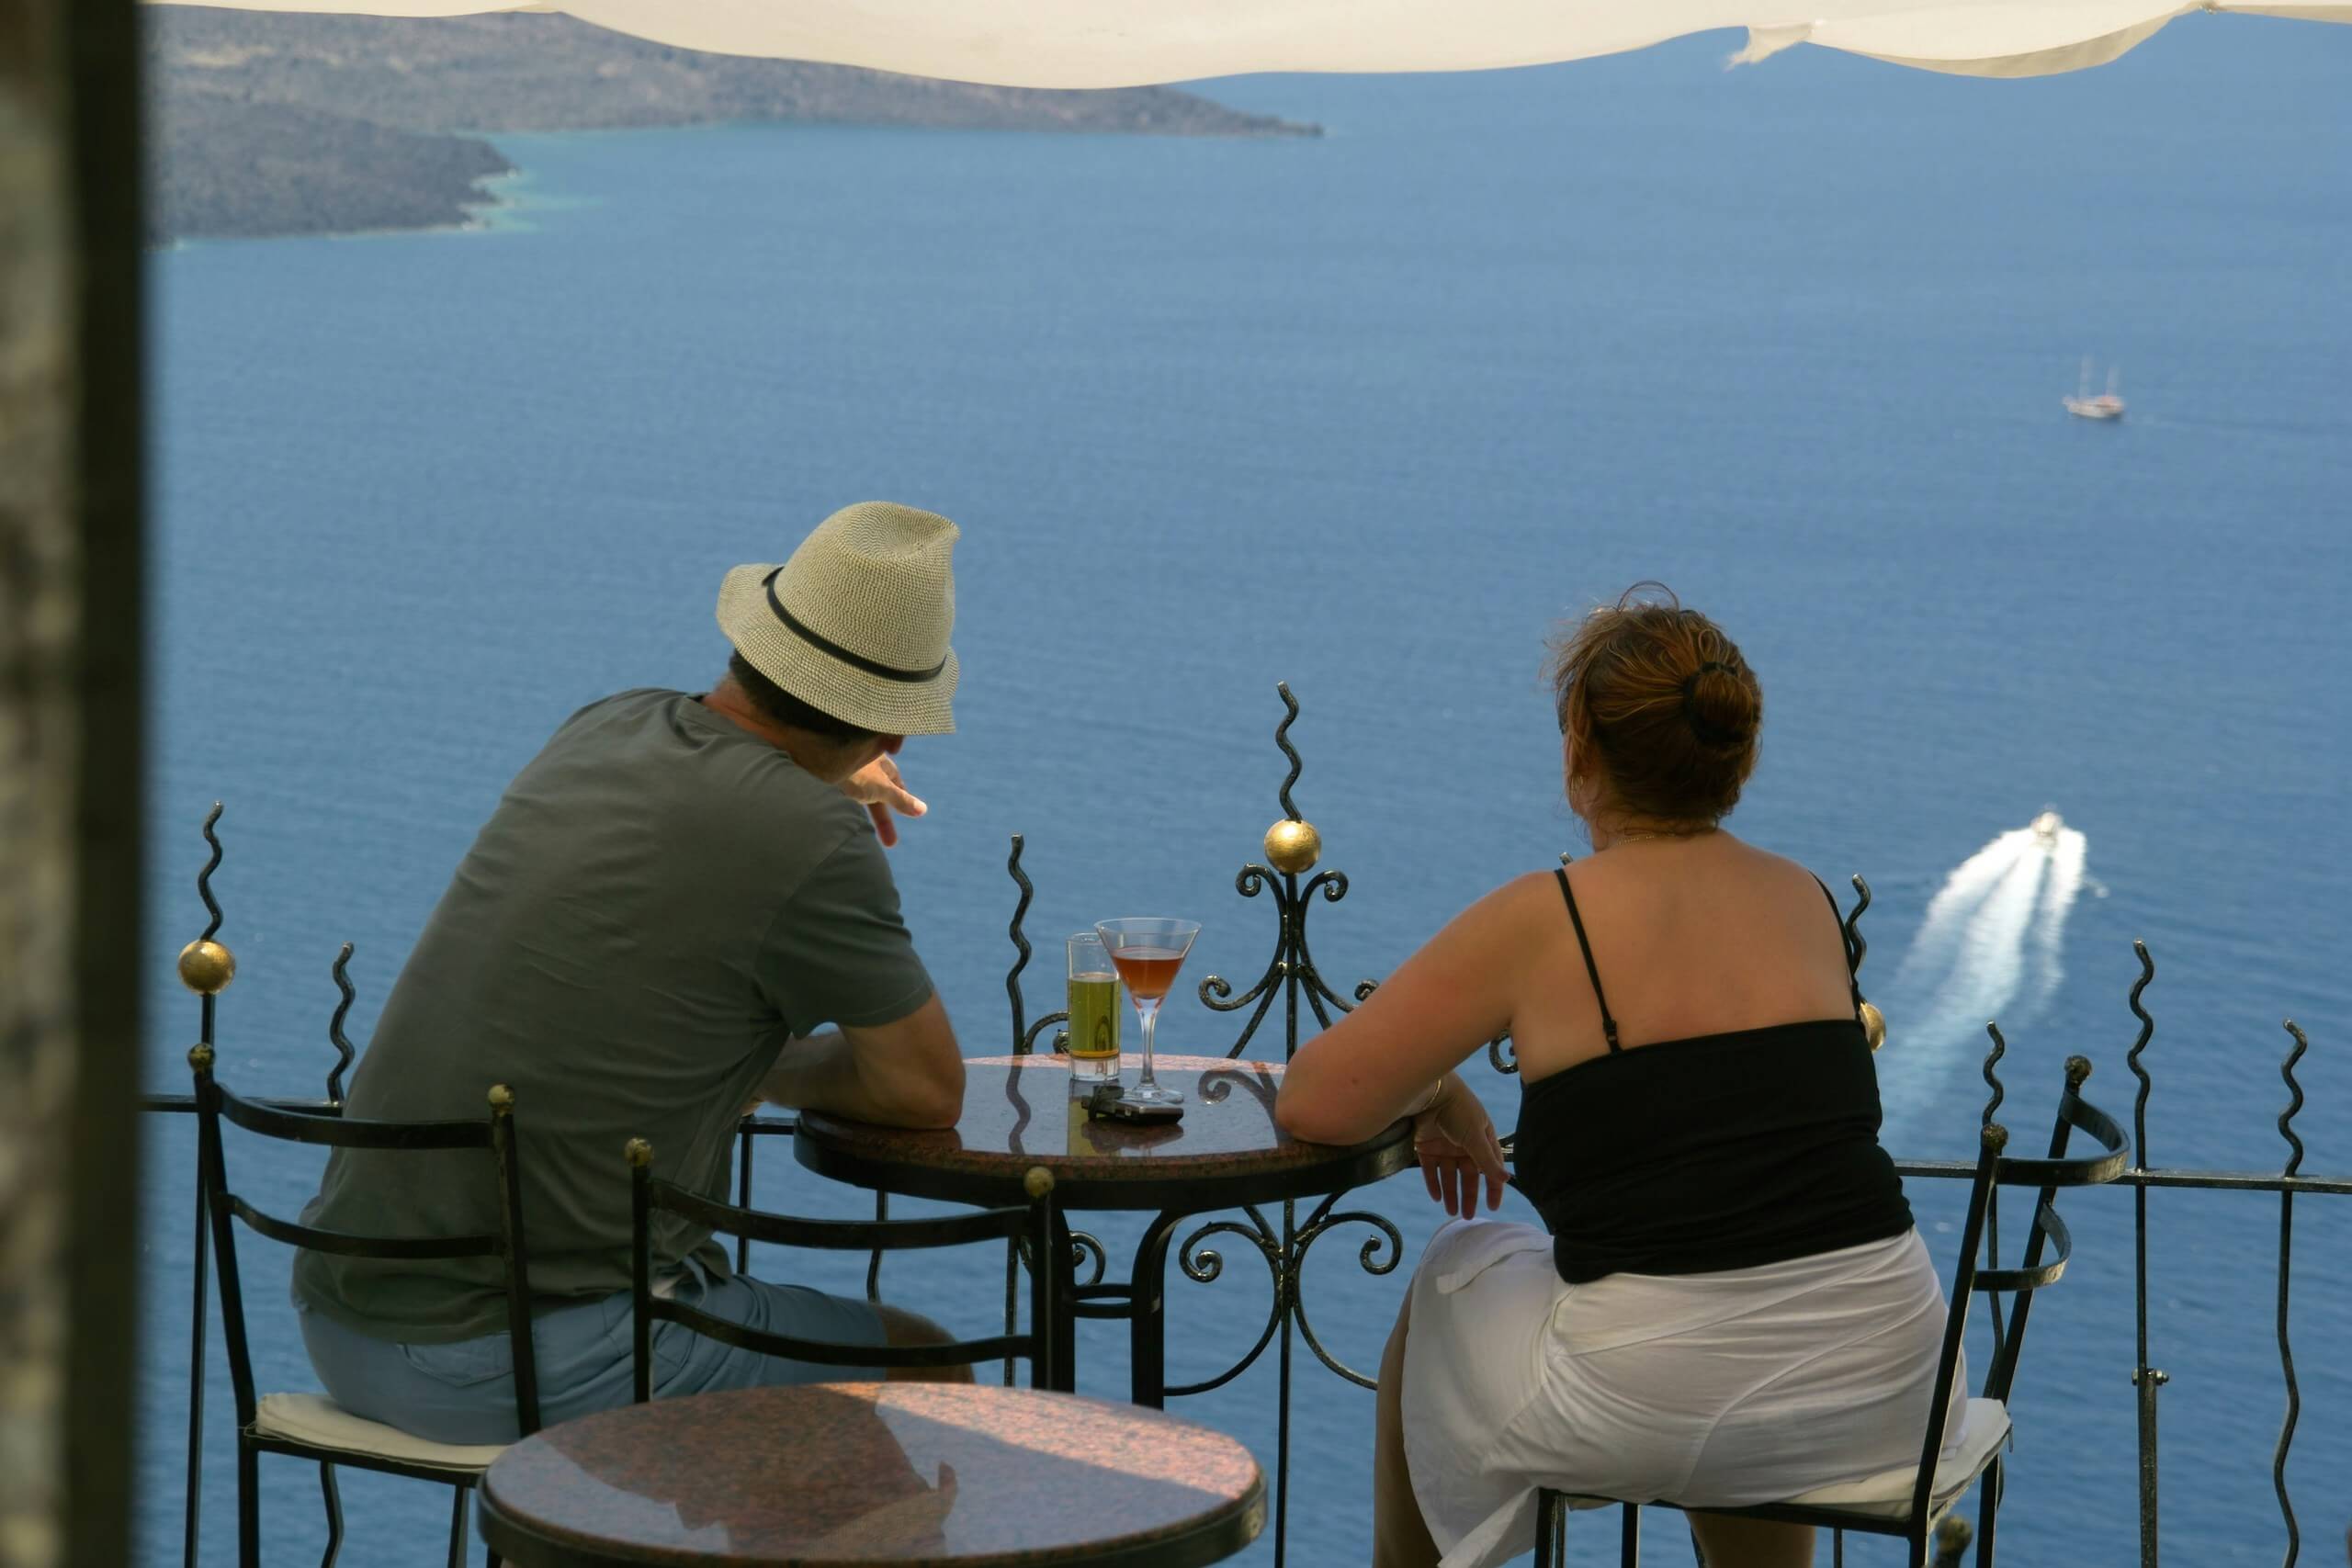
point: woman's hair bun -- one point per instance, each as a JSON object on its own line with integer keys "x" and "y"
{"x": 1663, "y": 700}
{"x": 1721, "y": 707}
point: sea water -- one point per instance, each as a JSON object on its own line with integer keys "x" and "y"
{"x": 1371, "y": 413}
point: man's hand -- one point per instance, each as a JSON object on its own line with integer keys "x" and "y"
{"x": 877, "y": 787}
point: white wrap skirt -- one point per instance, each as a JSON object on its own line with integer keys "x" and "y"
{"x": 1751, "y": 1385}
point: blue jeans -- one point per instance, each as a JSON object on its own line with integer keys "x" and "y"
{"x": 464, "y": 1392}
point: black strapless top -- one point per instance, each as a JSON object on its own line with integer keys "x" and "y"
{"x": 1719, "y": 1151}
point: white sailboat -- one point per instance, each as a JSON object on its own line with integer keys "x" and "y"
{"x": 2105, "y": 405}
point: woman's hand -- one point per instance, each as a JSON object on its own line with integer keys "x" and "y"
{"x": 1454, "y": 1139}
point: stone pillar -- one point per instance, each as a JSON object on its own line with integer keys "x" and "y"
{"x": 71, "y": 628}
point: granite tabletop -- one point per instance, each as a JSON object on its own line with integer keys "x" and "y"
{"x": 967, "y": 1475}
{"x": 1018, "y": 1112}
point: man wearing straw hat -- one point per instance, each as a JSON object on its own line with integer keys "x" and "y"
{"x": 680, "y": 906}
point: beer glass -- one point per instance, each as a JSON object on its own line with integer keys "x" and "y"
{"x": 1095, "y": 1013}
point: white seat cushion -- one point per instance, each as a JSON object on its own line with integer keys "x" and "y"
{"x": 315, "y": 1419}
{"x": 1983, "y": 1427}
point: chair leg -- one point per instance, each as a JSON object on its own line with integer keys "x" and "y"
{"x": 1549, "y": 1534}
{"x": 458, "y": 1526}
{"x": 1837, "y": 1549}
{"x": 328, "y": 1490}
{"x": 1628, "y": 1536}
{"x": 1995, "y": 1479}
{"x": 248, "y": 1506}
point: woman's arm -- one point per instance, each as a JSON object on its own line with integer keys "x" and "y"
{"x": 1388, "y": 1058}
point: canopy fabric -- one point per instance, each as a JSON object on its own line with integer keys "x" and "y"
{"x": 1124, "y": 43}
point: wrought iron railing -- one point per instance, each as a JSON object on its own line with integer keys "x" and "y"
{"x": 1293, "y": 848}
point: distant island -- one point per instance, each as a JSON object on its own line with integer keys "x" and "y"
{"x": 267, "y": 123}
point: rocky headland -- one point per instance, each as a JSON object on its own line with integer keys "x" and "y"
{"x": 275, "y": 123}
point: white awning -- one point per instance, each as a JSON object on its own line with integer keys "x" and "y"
{"x": 1121, "y": 43}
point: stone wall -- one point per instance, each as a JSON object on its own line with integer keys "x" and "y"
{"x": 69, "y": 788}
{"x": 40, "y": 749}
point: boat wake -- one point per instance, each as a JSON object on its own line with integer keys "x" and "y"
{"x": 1992, "y": 946}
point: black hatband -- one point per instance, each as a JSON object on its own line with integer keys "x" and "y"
{"x": 826, "y": 644}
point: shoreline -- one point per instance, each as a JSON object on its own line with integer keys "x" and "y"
{"x": 281, "y": 125}
{"x": 495, "y": 201}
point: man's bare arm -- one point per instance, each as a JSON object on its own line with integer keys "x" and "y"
{"x": 906, "y": 1074}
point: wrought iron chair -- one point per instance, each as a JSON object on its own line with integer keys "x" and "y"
{"x": 1911, "y": 1503}
{"x": 311, "y": 1425}
{"x": 1032, "y": 1226}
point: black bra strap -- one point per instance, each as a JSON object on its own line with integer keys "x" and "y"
{"x": 1608, "y": 1024}
{"x": 1853, "y": 965}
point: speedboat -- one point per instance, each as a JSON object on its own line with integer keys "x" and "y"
{"x": 2046, "y": 828}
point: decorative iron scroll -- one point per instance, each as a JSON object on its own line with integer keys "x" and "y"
{"x": 1293, "y": 846}
{"x": 1205, "y": 1265}
{"x": 2286, "y": 1256}
{"x": 1857, "y": 947}
{"x": 192, "y": 1520}
{"x": 1992, "y": 1199}
{"x": 2145, "y": 1380}
{"x": 1368, "y": 1257}
{"x": 343, "y": 1047}
{"x": 1992, "y": 1079}
{"x": 1020, "y": 946}
{"x": 204, "y": 877}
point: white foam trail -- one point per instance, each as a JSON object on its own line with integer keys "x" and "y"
{"x": 1991, "y": 946}
{"x": 2059, "y": 890}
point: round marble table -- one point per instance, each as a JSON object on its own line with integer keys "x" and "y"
{"x": 865, "y": 1475}
{"x": 1227, "y": 1152}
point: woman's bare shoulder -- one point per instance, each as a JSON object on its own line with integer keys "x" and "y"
{"x": 1506, "y": 907}
{"x": 1798, "y": 876}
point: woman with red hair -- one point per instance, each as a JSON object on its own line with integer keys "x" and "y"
{"x": 1727, "y": 1302}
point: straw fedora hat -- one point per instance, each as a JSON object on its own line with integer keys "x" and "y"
{"x": 856, "y": 622}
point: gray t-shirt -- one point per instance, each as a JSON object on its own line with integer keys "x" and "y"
{"x": 660, "y": 899}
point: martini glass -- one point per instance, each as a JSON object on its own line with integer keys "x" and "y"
{"x": 1147, "y": 952}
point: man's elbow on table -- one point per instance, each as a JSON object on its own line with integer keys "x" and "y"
{"x": 912, "y": 1068}
{"x": 933, "y": 1100}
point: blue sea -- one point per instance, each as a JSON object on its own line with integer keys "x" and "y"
{"x": 1373, "y": 415}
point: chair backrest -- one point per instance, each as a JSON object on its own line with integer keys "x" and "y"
{"x": 495, "y": 1135}
{"x": 1033, "y": 1224}
{"x": 1996, "y": 1169}
{"x": 2049, "y": 1243}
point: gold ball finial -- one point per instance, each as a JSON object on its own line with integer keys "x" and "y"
{"x": 1953, "y": 1535}
{"x": 199, "y": 1056}
{"x": 2079, "y": 1071}
{"x": 1293, "y": 846}
{"x": 206, "y": 967}
{"x": 502, "y": 1100}
{"x": 1874, "y": 1024}
{"x": 1038, "y": 1182}
{"x": 639, "y": 1153}
{"x": 1996, "y": 1137}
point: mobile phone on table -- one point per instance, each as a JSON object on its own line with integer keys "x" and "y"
{"x": 1105, "y": 1102}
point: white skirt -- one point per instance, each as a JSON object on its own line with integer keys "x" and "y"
{"x": 1707, "y": 1389}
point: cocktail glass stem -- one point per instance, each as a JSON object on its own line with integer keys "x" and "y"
{"x": 1149, "y": 1012}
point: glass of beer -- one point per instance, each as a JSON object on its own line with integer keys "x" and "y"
{"x": 1095, "y": 1012}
